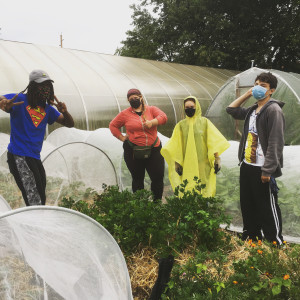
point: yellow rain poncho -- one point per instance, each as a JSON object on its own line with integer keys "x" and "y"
{"x": 193, "y": 144}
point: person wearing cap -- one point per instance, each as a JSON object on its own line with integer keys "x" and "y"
{"x": 141, "y": 121}
{"x": 193, "y": 150}
{"x": 29, "y": 115}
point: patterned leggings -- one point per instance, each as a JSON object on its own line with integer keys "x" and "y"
{"x": 30, "y": 177}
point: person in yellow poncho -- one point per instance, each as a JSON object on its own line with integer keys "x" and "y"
{"x": 194, "y": 149}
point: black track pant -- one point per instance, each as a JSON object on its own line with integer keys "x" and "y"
{"x": 154, "y": 165}
{"x": 259, "y": 205}
{"x": 30, "y": 177}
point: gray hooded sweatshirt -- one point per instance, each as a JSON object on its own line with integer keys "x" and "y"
{"x": 270, "y": 126}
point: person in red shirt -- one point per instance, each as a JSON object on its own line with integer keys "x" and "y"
{"x": 141, "y": 123}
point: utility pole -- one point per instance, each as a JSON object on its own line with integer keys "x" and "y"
{"x": 61, "y": 41}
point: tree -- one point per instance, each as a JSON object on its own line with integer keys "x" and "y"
{"x": 217, "y": 33}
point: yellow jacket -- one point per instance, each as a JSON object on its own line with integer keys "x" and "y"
{"x": 193, "y": 144}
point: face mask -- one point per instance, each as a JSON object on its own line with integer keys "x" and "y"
{"x": 135, "y": 103}
{"x": 190, "y": 111}
{"x": 259, "y": 92}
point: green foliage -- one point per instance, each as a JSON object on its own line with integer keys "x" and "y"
{"x": 194, "y": 31}
{"x": 135, "y": 220}
{"x": 194, "y": 219}
{"x": 268, "y": 272}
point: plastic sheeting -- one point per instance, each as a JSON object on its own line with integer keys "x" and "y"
{"x": 94, "y": 86}
{"x": 288, "y": 197}
{"x": 56, "y": 253}
{"x": 4, "y": 206}
{"x": 288, "y": 91}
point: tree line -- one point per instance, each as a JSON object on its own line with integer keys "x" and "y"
{"x": 216, "y": 33}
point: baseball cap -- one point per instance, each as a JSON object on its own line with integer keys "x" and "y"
{"x": 39, "y": 76}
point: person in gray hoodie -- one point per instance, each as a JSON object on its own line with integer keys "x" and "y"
{"x": 261, "y": 159}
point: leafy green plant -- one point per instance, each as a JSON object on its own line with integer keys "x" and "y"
{"x": 135, "y": 220}
{"x": 193, "y": 219}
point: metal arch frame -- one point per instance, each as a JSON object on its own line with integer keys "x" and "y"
{"x": 57, "y": 148}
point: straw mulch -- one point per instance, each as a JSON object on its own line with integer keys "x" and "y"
{"x": 143, "y": 265}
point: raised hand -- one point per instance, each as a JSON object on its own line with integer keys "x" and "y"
{"x": 7, "y": 104}
{"x": 61, "y": 106}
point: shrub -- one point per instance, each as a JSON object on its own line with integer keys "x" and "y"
{"x": 135, "y": 220}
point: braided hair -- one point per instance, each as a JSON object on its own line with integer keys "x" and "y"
{"x": 36, "y": 96}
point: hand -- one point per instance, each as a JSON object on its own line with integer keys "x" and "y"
{"x": 61, "y": 106}
{"x": 217, "y": 164}
{"x": 265, "y": 179}
{"x": 178, "y": 168}
{"x": 151, "y": 123}
{"x": 7, "y": 104}
{"x": 148, "y": 124}
{"x": 123, "y": 138}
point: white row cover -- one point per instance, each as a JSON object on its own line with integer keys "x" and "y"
{"x": 76, "y": 160}
{"x": 56, "y": 253}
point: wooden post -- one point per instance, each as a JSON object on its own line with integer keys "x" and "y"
{"x": 61, "y": 41}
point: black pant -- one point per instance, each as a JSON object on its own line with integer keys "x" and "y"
{"x": 259, "y": 205}
{"x": 155, "y": 166}
{"x": 30, "y": 177}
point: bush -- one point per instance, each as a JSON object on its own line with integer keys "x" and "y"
{"x": 135, "y": 220}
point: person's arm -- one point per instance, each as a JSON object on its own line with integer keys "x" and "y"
{"x": 159, "y": 118}
{"x": 65, "y": 118}
{"x": 235, "y": 109}
{"x": 7, "y": 104}
{"x": 276, "y": 125}
{"x": 240, "y": 100}
{"x": 115, "y": 126}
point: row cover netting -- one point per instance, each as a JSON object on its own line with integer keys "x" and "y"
{"x": 56, "y": 253}
{"x": 69, "y": 176}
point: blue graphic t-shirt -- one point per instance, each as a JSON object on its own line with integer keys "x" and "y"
{"x": 28, "y": 126}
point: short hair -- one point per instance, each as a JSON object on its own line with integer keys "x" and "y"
{"x": 268, "y": 78}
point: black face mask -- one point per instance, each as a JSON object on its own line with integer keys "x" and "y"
{"x": 135, "y": 103}
{"x": 190, "y": 111}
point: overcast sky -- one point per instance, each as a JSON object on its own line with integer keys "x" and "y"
{"x": 92, "y": 25}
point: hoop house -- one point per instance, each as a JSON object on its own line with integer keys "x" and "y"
{"x": 288, "y": 91}
{"x": 57, "y": 253}
{"x": 94, "y": 86}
